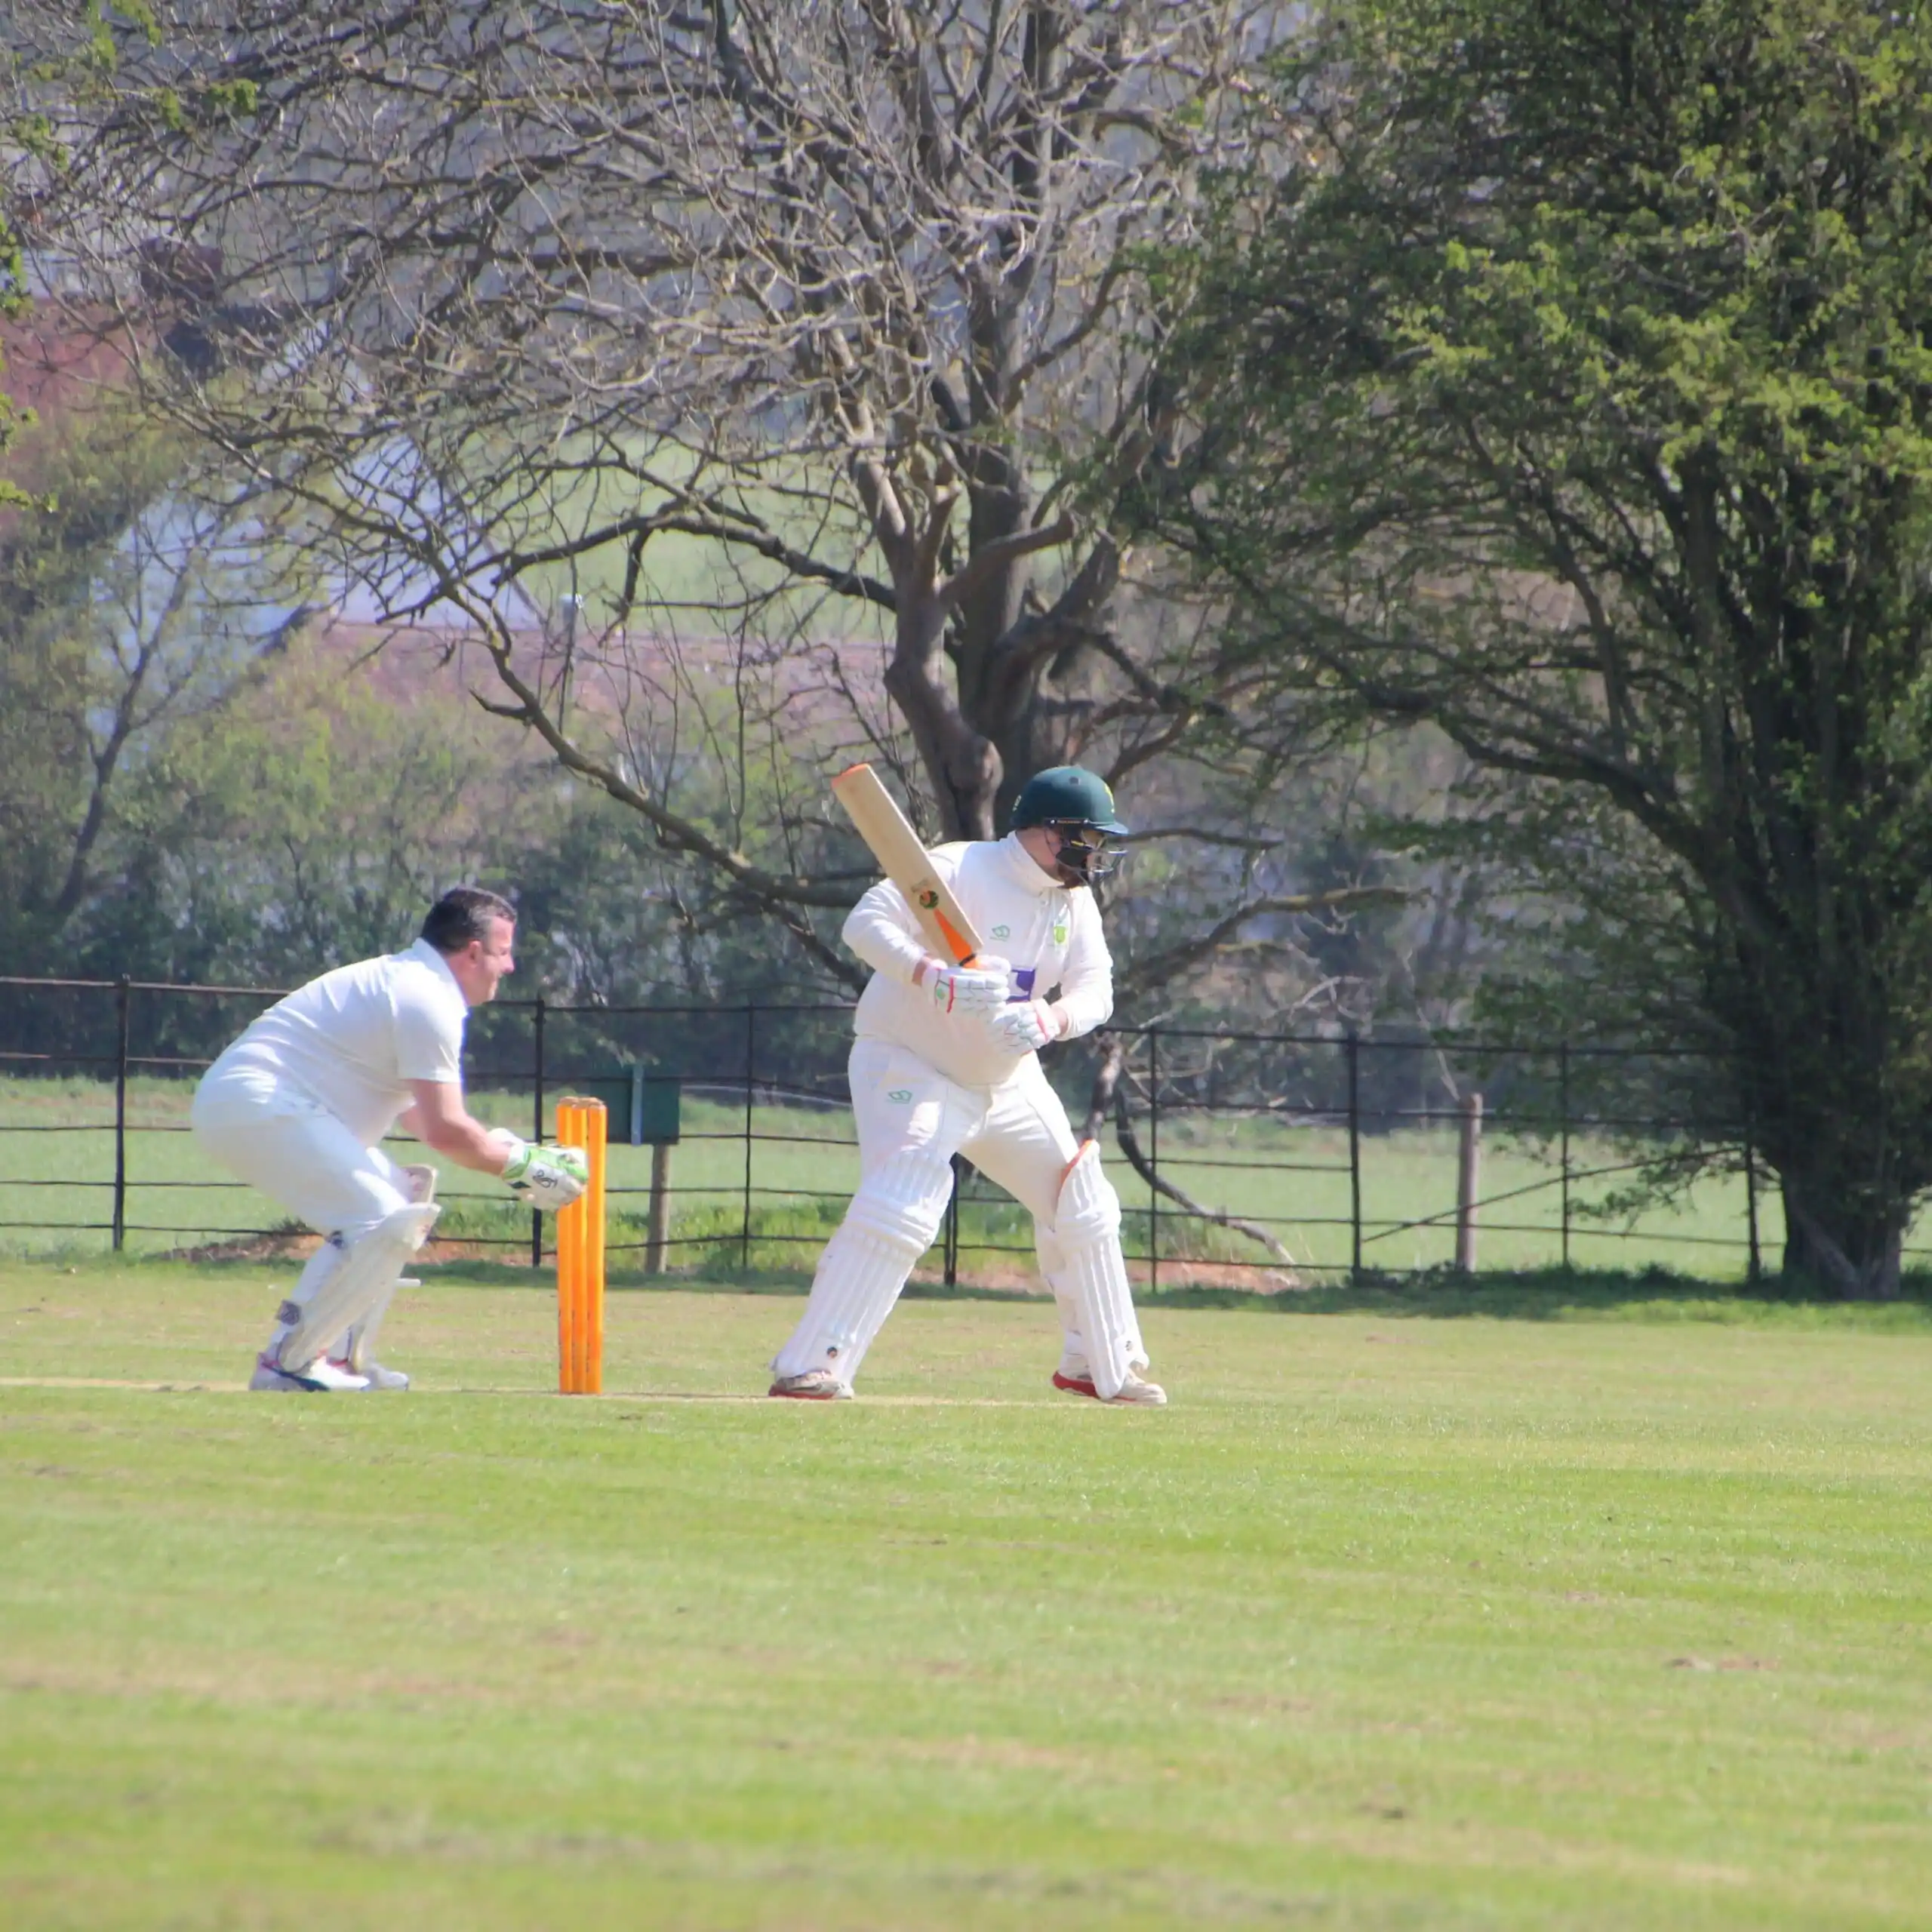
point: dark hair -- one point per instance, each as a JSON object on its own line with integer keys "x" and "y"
{"x": 463, "y": 913}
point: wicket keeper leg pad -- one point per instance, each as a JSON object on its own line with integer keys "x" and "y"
{"x": 365, "y": 1277}
{"x": 359, "y": 1344}
{"x": 422, "y": 1183}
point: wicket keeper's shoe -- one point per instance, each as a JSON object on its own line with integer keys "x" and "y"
{"x": 815, "y": 1384}
{"x": 319, "y": 1376}
{"x": 372, "y": 1373}
{"x": 1074, "y": 1375}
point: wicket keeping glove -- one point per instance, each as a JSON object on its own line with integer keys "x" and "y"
{"x": 547, "y": 1177}
{"x": 1025, "y": 1028}
{"x": 978, "y": 988}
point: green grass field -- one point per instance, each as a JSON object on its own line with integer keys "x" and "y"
{"x": 1390, "y": 1620}
{"x": 56, "y": 1154}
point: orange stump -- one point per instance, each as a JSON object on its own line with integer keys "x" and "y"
{"x": 580, "y": 1123}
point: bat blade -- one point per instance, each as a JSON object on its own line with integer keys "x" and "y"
{"x": 893, "y": 843}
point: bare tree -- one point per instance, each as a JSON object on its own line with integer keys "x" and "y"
{"x": 526, "y": 301}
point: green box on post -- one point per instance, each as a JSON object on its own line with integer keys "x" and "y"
{"x": 655, "y": 1102}
{"x": 643, "y": 1107}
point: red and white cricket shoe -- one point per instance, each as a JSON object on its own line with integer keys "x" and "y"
{"x": 1074, "y": 1376}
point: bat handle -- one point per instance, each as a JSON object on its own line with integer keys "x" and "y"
{"x": 963, "y": 954}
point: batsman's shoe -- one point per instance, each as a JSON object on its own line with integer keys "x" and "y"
{"x": 372, "y": 1373}
{"x": 319, "y": 1377}
{"x": 1072, "y": 1375}
{"x": 815, "y": 1384}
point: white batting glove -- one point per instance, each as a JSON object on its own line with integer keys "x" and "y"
{"x": 982, "y": 987}
{"x": 547, "y": 1177}
{"x": 1025, "y": 1029}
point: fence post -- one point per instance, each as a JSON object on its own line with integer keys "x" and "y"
{"x": 951, "y": 1250}
{"x": 122, "y": 994}
{"x": 1153, "y": 1160}
{"x": 751, "y": 1049}
{"x": 537, "y": 1124}
{"x": 657, "y": 1229}
{"x": 1469, "y": 1165}
{"x": 1355, "y": 1154}
{"x": 1563, "y": 1103}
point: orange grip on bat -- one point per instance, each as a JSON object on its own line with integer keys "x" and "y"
{"x": 963, "y": 954}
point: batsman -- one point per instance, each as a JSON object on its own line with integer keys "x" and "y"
{"x": 946, "y": 1061}
{"x": 297, "y": 1105}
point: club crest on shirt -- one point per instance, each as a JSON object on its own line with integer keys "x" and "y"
{"x": 1060, "y": 934}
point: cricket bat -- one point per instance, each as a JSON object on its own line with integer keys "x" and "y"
{"x": 904, "y": 861}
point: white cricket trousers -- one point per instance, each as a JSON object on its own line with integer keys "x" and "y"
{"x": 911, "y": 1121}
{"x": 295, "y": 1151}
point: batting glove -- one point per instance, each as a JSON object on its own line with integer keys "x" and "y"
{"x": 982, "y": 987}
{"x": 547, "y": 1177}
{"x": 1025, "y": 1029}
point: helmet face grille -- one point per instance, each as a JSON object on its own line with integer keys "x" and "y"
{"x": 1084, "y": 849}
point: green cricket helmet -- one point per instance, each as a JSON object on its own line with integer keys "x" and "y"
{"x": 1077, "y": 804}
{"x": 1067, "y": 794}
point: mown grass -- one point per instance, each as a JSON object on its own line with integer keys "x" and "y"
{"x": 1390, "y": 1621}
{"x": 57, "y": 1159}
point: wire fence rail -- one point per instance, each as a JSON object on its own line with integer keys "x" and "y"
{"x": 1268, "y": 1158}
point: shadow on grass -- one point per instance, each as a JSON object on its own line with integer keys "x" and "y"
{"x": 1559, "y": 1294}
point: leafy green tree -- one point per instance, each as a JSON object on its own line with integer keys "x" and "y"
{"x": 1563, "y": 378}
{"x": 305, "y": 823}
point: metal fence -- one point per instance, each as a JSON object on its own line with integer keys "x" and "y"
{"x": 1240, "y": 1156}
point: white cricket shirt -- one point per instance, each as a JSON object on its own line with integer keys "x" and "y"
{"x": 1049, "y": 932}
{"x": 354, "y": 1039}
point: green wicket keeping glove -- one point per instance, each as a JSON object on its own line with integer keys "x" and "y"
{"x": 547, "y": 1177}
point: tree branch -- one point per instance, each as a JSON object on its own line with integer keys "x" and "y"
{"x": 991, "y": 557}
{"x": 1107, "y": 1095}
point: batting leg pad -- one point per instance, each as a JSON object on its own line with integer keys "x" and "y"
{"x": 1091, "y": 1274}
{"x": 1052, "y": 1258}
{"x": 890, "y": 1223}
{"x": 360, "y": 1284}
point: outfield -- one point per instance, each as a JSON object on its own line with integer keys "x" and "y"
{"x": 1388, "y": 1622}
{"x": 56, "y": 1156}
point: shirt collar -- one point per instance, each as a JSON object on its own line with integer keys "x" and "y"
{"x": 423, "y": 950}
{"x": 1023, "y": 869}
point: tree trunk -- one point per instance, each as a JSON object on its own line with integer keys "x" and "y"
{"x": 1834, "y": 1239}
{"x": 1830, "y": 1092}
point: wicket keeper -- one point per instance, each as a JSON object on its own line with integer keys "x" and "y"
{"x": 946, "y": 1061}
{"x": 297, "y": 1106}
